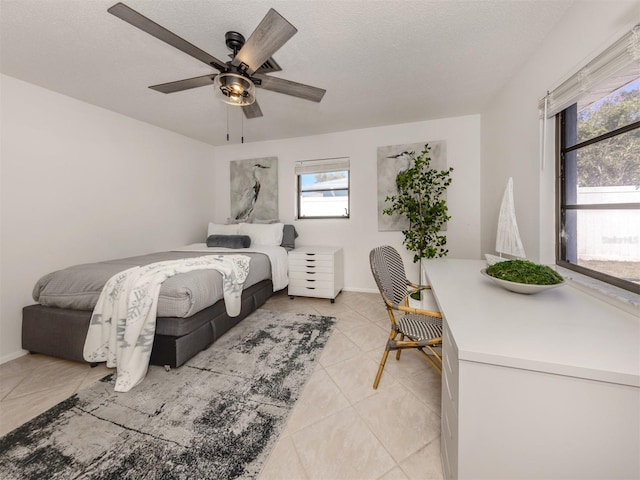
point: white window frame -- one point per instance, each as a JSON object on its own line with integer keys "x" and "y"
{"x": 325, "y": 165}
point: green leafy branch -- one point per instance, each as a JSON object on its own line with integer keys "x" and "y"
{"x": 419, "y": 199}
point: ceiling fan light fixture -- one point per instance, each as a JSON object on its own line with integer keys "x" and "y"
{"x": 234, "y": 89}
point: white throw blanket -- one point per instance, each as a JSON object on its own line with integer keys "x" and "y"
{"x": 123, "y": 323}
{"x": 277, "y": 256}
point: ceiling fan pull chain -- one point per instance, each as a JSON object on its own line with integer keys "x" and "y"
{"x": 227, "y": 123}
{"x": 242, "y": 128}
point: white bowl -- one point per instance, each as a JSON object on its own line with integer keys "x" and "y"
{"x": 525, "y": 288}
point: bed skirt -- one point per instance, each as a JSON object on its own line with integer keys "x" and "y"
{"x": 61, "y": 332}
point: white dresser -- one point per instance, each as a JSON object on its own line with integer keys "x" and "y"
{"x": 543, "y": 386}
{"x": 316, "y": 272}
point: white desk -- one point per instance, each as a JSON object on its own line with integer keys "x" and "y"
{"x": 535, "y": 386}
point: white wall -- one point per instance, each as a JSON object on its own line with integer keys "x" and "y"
{"x": 81, "y": 184}
{"x": 510, "y": 125}
{"x": 359, "y": 234}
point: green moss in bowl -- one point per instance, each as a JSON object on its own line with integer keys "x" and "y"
{"x": 524, "y": 271}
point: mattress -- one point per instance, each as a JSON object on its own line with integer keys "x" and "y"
{"x": 183, "y": 295}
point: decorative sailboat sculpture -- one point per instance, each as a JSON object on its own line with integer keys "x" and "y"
{"x": 508, "y": 238}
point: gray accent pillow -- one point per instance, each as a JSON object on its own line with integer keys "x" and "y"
{"x": 289, "y": 236}
{"x": 229, "y": 241}
{"x": 232, "y": 221}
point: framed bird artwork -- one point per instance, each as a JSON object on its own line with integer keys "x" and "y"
{"x": 254, "y": 189}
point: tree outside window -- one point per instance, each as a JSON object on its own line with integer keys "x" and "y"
{"x": 600, "y": 187}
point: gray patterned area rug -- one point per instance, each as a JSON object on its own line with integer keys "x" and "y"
{"x": 216, "y": 417}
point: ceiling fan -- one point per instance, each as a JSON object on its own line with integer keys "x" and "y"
{"x": 250, "y": 61}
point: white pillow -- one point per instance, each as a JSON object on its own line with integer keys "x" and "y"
{"x": 219, "y": 229}
{"x": 262, "y": 234}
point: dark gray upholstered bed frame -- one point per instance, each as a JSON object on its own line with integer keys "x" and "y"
{"x": 61, "y": 332}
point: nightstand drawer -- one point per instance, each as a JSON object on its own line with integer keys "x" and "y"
{"x": 307, "y": 282}
{"x": 311, "y": 255}
{"x": 311, "y": 269}
{"x": 310, "y": 275}
{"x": 310, "y": 291}
{"x": 318, "y": 263}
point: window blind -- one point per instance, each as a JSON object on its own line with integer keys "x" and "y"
{"x": 611, "y": 69}
{"x": 321, "y": 166}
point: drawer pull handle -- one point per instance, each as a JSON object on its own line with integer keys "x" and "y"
{"x": 310, "y": 288}
{"x": 311, "y": 266}
{"x": 310, "y": 280}
{"x": 310, "y": 254}
{"x": 311, "y": 260}
{"x": 311, "y": 273}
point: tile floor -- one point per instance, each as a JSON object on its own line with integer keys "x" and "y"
{"x": 340, "y": 428}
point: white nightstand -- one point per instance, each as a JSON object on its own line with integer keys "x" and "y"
{"x": 316, "y": 272}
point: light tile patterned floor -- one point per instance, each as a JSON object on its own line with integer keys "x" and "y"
{"x": 340, "y": 428}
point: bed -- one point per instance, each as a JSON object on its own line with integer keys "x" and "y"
{"x": 191, "y": 311}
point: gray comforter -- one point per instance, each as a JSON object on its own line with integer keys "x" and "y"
{"x": 79, "y": 287}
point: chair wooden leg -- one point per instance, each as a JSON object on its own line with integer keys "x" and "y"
{"x": 383, "y": 361}
{"x": 399, "y": 350}
{"x": 380, "y": 368}
{"x": 436, "y": 365}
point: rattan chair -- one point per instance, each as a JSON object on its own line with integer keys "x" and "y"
{"x": 421, "y": 328}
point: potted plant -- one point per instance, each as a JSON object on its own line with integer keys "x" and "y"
{"x": 420, "y": 200}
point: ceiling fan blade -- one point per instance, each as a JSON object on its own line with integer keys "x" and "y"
{"x": 271, "y": 34}
{"x": 288, "y": 87}
{"x": 252, "y": 111}
{"x": 185, "y": 84}
{"x": 138, "y": 20}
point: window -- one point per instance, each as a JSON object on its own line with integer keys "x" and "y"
{"x": 597, "y": 113}
{"x": 599, "y": 194}
{"x": 323, "y": 188}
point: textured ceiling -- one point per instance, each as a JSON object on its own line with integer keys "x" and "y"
{"x": 381, "y": 62}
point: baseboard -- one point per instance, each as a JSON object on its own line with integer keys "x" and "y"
{"x": 361, "y": 290}
{"x": 13, "y": 356}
